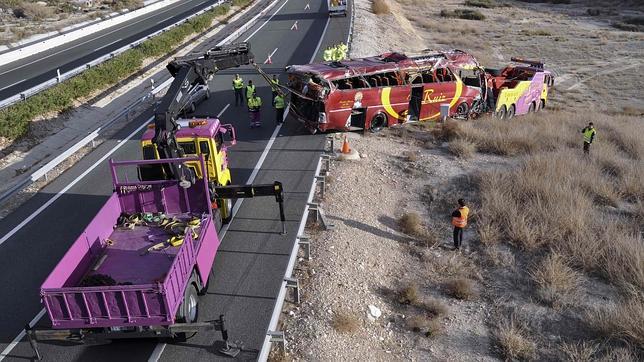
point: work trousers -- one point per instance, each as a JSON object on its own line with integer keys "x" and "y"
{"x": 586, "y": 147}
{"x": 458, "y": 237}
{"x": 279, "y": 115}
{"x": 255, "y": 119}
{"x": 239, "y": 96}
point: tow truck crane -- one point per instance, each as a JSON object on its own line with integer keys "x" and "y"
{"x": 173, "y": 137}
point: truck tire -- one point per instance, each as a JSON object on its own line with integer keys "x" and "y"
{"x": 532, "y": 108}
{"x": 188, "y": 311}
{"x": 510, "y": 113}
{"x": 227, "y": 212}
{"x": 500, "y": 114}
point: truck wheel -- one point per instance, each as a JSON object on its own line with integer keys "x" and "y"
{"x": 543, "y": 104}
{"x": 227, "y": 212}
{"x": 510, "y": 113}
{"x": 532, "y": 108}
{"x": 207, "y": 93}
{"x": 500, "y": 114}
{"x": 188, "y": 311}
{"x": 378, "y": 122}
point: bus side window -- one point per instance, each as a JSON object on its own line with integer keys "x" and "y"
{"x": 392, "y": 78}
{"x": 418, "y": 79}
{"x": 428, "y": 77}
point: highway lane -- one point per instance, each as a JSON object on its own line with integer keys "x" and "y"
{"x": 23, "y": 74}
{"x": 248, "y": 270}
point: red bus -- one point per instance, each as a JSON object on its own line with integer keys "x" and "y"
{"x": 376, "y": 92}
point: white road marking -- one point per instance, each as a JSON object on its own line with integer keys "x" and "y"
{"x": 269, "y": 59}
{"x": 266, "y": 22}
{"x": 94, "y": 38}
{"x": 317, "y": 48}
{"x": 12, "y": 84}
{"x": 21, "y": 335}
{"x": 106, "y": 45}
{"x": 308, "y": 6}
{"x": 294, "y": 27}
{"x": 223, "y": 110}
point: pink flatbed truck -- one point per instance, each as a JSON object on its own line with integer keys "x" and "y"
{"x": 128, "y": 275}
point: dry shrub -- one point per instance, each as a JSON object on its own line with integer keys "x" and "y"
{"x": 495, "y": 257}
{"x": 489, "y": 234}
{"x": 434, "y": 307}
{"x": 578, "y": 352}
{"x": 462, "y": 148}
{"x": 408, "y": 295}
{"x": 514, "y": 340}
{"x": 461, "y": 288}
{"x": 430, "y": 327}
{"x": 622, "y": 261}
{"x": 454, "y": 265}
{"x": 467, "y": 14}
{"x": 416, "y": 323}
{"x": 411, "y": 156}
{"x": 344, "y": 322}
{"x": 33, "y": 11}
{"x": 411, "y": 224}
{"x": 625, "y": 320}
{"x": 434, "y": 328}
{"x": 619, "y": 354}
{"x": 557, "y": 283}
{"x": 380, "y": 7}
{"x": 447, "y": 131}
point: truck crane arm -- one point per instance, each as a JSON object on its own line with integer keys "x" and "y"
{"x": 189, "y": 72}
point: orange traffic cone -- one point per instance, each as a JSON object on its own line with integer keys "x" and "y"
{"x": 345, "y": 146}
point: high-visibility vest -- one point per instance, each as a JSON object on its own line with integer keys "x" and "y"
{"x": 238, "y": 83}
{"x": 279, "y": 102}
{"x": 588, "y": 134}
{"x": 254, "y": 102}
{"x": 328, "y": 55}
{"x": 250, "y": 89}
{"x": 461, "y": 222}
{"x": 275, "y": 81}
{"x": 337, "y": 53}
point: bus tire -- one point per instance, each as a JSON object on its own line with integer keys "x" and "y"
{"x": 510, "y": 113}
{"x": 532, "y": 108}
{"x": 378, "y": 122}
{"x": 462, "y": 110}
{"x": 500, "y": 114}
{"x": 227, "y": 214}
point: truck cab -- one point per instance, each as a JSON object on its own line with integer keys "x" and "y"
{"x": 195, "y": 137}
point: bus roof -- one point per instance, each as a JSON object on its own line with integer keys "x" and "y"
{"x": 387, "y": 62}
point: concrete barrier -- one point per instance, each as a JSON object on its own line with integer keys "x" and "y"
{"x": 46, "y": 44}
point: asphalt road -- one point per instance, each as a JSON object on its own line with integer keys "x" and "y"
{"x": 253, "y": 256}
{"x": 25, "y": 73}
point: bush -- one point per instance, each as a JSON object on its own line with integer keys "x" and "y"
{"x": 488, "y": 4}
{"x": 380, "y": 7}
{"x": 467, "y": 14}
{"x": 557, "y": 283}
{"x": 434, "y": 307}
{"x": 514, "y": 341}
{"x": 462, "y": 148}
{"x": 345, "y": 323}
{"x": 461, "y": 288}
{"x": 411, "y": 224}
{"x": 33, "y": 11}
{"x": 625, "y": 320}
{"x": 578, "y": 352}
{"x": 15, "y": 120}
{"x": 408, "y": 295}
{"x": 447, "y": 131}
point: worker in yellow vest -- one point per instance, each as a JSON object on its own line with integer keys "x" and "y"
{"x": 337, "y": 53}
{"x": 589, "y": 133}
{"x": 279, "y": 105}
{"x": 344, "y": 50}
{"x": 275, "y": 82}
{"x": 250, "y": 89}
{"x": 238, "y": 88}
{"x": 328, "y": 54}
{"x": 254, "y": 105}
{"x": 459, "y": 220}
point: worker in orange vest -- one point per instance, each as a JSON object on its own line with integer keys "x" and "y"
{"x": 459, "y": 220}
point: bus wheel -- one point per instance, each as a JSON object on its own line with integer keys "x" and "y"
{"x": 500, "y": 114}
{"x": 227, "y": 210}
{"x": 462, "y": 110}
{"x": 510, "y": 113}
{"x": 378, "y": 122}
{"x": 532, "y": 108}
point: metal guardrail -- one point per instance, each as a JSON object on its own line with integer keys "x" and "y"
{"x": 90, "y": 138}
{"x": 62, "y": 77}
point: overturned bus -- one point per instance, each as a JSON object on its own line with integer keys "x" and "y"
{"x": 376, "y": 92}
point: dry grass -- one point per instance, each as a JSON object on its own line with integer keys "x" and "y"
{"x": 462, "y": 148}
{"x": 623, "y": 321}
{"x": 344, "y": 322}
{"x": 433, "y": 307}
{"x": 461, "y": 288}
{"x": 380, "y": 7}
{"x": 447, "y": 131}
{"x": 410, "y": 223}
{"x": 430, "y": 327}
{"x": 514, "y": 341}
{"x": 411, "y": 156}
{"x": 33, "y": 11}
{"x": 408, "y": 295}
{"x": 557, "y": 283}
{"x": 579, "y": 352}
{"x": 466, "y": 14}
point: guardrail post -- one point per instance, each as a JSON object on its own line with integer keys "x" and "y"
{"x": 294, "y": 284}
{"x": 322, "y": 181}
{"x": 305, "y": 244}
{"x": 278, "y": 336}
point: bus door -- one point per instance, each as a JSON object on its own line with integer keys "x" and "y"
{"x": 415, "y": 102}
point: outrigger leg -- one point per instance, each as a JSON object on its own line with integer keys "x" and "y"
{"x": 32, "y": 342}
{"x": 229, "y": 349}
